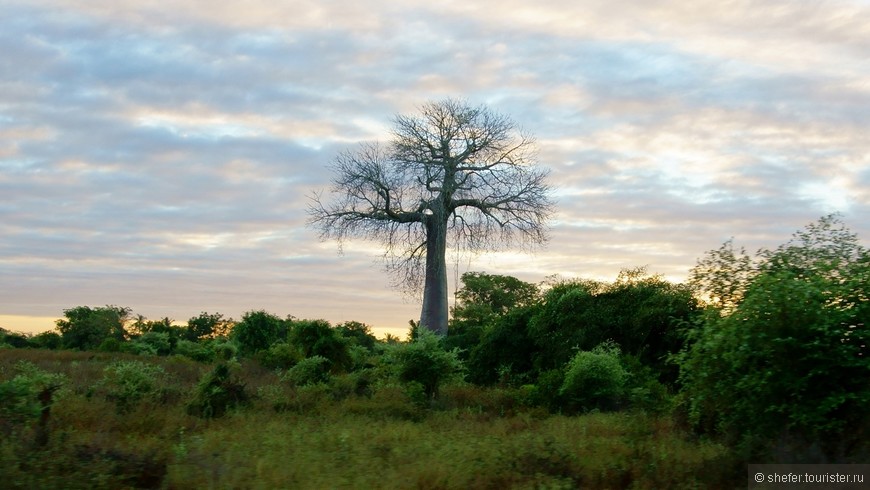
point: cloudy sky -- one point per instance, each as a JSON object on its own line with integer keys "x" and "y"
{"x": 159, "y": 155}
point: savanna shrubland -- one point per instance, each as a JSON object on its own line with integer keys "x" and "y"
{"x": 563, "y": 384}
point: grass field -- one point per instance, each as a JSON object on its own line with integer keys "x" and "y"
{"x": 329, "y": 436}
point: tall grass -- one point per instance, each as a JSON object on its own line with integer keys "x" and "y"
{"x": 322, "y": 436}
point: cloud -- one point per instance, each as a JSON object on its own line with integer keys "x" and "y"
{"x": 161, "y": 157}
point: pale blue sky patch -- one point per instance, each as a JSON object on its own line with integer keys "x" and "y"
{"x": 146, "y": 145}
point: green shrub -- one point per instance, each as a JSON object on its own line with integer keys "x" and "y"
{"x": 547, "y": 389}
{"x": 257, "y": 331}
{"x": 153, "y": 343}
{"x": 110, "y": 344}
{"x": 194, "y": 350}
{"x": 280, "y": 355}
{"x": 127, "y": 383}
{"x": 318, "y": 338}
{"x": 643, "y": 390}
{"x": 27, "y": 395}
{"x": 594, "y": 379}
{"x": 312, "y": 370}
{"x": 785, "y": 358}
{"x": 425, "y": 361}
{"x": 217, "y": 392}
{"x": 224, "y": 350}
{"x": 46, "y": 340}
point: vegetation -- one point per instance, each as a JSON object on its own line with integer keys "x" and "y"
{"x": 454, "y": 171}
{"x": 638, "y": 383}
{"x": 782, "y": 364}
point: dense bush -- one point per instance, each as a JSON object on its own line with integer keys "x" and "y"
{"x": 311, "y": 370}
{"x": 257, "y": 330}
{"x": 127, "y": 383}
{"x": 27, "y": 396}
{"x": 217, "y": 392}
{"x": 318, "y": 338}
{"x": 594, "y": 379}
{"x": 640, "y": 313}
{"x": 206, "y": 326}
{"x": 783, "y": 360}
{"x": 194, "y": 350}
{"x": 505, "y": 351}
{"x": 85, "y": 328}
{"x": 280, "y": 355}
{"x": 425, "y": 361}
{"x": 152, "y": 343}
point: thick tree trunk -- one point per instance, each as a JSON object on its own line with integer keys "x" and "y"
{"x": 434, "y": 314}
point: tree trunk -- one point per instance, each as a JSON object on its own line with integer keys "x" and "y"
{"x": 434, "y": 314}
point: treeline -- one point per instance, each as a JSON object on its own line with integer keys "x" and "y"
{"x": 766, "y": 352}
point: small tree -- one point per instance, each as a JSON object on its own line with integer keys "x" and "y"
{"x": 86, "y": 328}
{"x": 486, "y": 296}
{"x": 207, "y": 326}
{"x": 258, "y": 330}
{"x": 455, "y": 171}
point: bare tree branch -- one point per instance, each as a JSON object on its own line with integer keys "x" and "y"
{"x": 453, "y": 170}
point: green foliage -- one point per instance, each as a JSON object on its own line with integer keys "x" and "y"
{"x": 280, "y": 355}
{"x": 224, "y": 350}
{"x": 638, "y": 312}
{"x": 207, "y": 326}
{"x": 483, "y": 300}
{"x": 127, "y": 383}
{"x": 152, "y": 343}
{"x": 318, "y": 338}
{"x": 788, "y": 358}
{"x": 85, "y": 328}
{"x": 46, "y": 340}
{"x": 309, "y": 371}
{"x": 194, "y": 350}
{"x": 257, "y": 331}
{"x": 218, "y": 391}
{"x": 486, "y": 296}
{"x": 505, "y": 344}
{"x": 425, "y": 361}
{"x": 25, "y": 396}
{"x": 14, "y": 339}
{"x": 359, "y": 333}
{"x": 343, "y": 431}
{"x": 594, "y": 379}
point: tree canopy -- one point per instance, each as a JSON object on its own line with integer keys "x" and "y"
{"x": 453, "y": 171}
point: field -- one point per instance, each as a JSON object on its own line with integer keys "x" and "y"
{"x": 101, "y": 433}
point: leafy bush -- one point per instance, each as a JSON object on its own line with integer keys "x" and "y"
{"x": 257, "y": 331}
{"x": 194, "y": 350}
{"x": 594, "y": 379}
{"x": 505, "y": 344}
{"x": 280, "y": 355}
{"x": 152, "y": 343}
{"x": 784, "y": 357}
{"x": 318, "y": 338}
{"x": 46, "y": 340}
{"x": 224, "y": 350}
{"x": 127, "y": 383}
{"x": 85, "y": 328}
{"x": 425, "y": 361}
{"x": 640, "y": 312}
{"x": 218, "y": 391}
{"x": 312, "y": 370}
{"x": 27, "y": 396}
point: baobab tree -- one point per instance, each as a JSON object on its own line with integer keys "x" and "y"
{"x": 452, "y": 172}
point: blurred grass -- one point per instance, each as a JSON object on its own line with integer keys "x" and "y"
{"x": 323, "y": 437}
